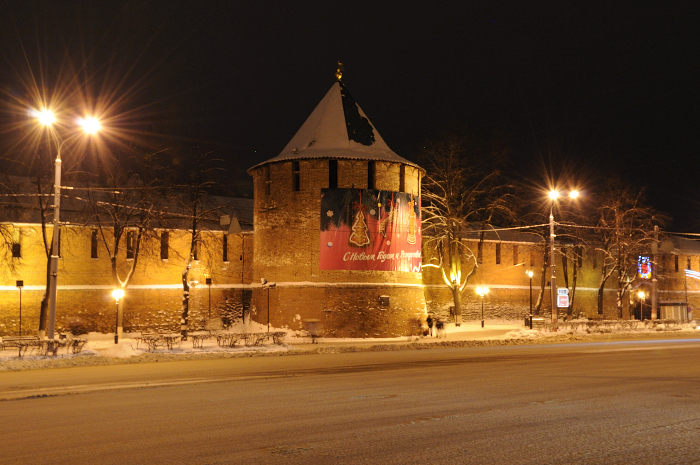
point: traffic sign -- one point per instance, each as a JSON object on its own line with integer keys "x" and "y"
{"x": 562, "y": 291}
{"x": 562, "y": 301}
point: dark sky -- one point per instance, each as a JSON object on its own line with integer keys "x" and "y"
{"x": 592, "y": 90}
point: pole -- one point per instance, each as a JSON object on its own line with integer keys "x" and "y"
{"x": 268, "y": 309}
{"x": 530, "y": 301}
{"x": 552, "y": 266}
{"x": 482, "y": 311}
{"x": 654, "y": 283}
{"x": 20, "y": 312}
{"x": 210, "y": 300}
{"x": 53, "y": 278}
{"x": 116, "y": 325}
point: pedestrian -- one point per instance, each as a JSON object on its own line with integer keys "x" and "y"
{"x": 429, "y": 320}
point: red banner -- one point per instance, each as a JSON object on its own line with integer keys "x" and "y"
{"x": 366, "y": 229}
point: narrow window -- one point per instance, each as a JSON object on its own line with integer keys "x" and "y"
{"x": 164, "y": 245}
{"x": 295, "y": 175}
{"x": 266, "y": 178}
{"x": 371, "y": 169}
{"x": 332, "y": 174}
{"x": 130, "y": 244}
{"x": 595, "y": 261}
{"x": 515, "y": 254}
{"x": 225, "y": 247}
{"x": 16, "y": 244}
{"x": 402, "y": 178}
{"x": 532, "y": 258}
{"x": 676, "y": 257}
{"x": 93, "y": 243}
{"x": 688, "y": 263}
{"x": 498, "y": 253}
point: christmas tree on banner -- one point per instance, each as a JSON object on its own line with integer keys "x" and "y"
{"x": 359, "y": 236}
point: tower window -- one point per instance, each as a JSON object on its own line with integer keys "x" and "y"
{"x": 371, "y": 169}
{"x": 332, "y": 174}
{"x": 93, "y": 243}
{"x": 164, "y": 245}
{"x": 266, "y": 179}
{"x": 498, "y": 253}
{"x": 402, "y": 178}
{"x": 676, "y": 262}
{"x": 295, "y": 175}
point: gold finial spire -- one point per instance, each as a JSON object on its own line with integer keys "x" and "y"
{"x": 339, "y": 71}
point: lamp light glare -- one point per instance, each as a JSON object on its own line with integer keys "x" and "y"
{"x": 641, "y": 295}
{"x": 118, "y": 294}
{"x": 573, "y": 194}
{"x": 90, "y": 125}
{"x": 529, "y": 273}
{"x": 45, "y": 116}
{"x": 553, "y": 195}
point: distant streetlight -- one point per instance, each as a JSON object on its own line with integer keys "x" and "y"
{"x": 90, "y": 125}
{"x": 117, "y": 294}
{"x": 529, "y": 274}
{"x": 20, "y": 285}
{"x": 482, "y": 291}
{"x": 554, "y": 195}
{"x": 267, "y": 286}
{"x": 208, "y": 280}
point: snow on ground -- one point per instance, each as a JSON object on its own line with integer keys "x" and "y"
{"x": 101, "y": 349}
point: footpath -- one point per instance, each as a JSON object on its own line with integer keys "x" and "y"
{"x": 101, "y": 350}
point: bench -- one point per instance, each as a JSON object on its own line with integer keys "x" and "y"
{"x": 73, "y": 344}
{"x": 22, "y": 343}
{"x": 156, "y": 339}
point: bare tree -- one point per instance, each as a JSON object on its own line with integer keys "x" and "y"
{"x": 463, "y": 190}
{"x": 123, "y": 213}
{"x": 625, "y": 230}
{"x": 193, "y": 180}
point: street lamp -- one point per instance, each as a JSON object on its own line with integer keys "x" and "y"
{"x": 20, "y": 285}
{"x": 529, "y": 274}
{"x": 117, "y": 294}
{"x": 482, "y": 291}
{"x": 89, "y": 125}
{"x": 267, "y": 286}
{"x": 641, "y": 296}
{"x": 554, "y": 195}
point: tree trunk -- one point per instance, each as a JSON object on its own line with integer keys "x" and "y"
{"x": 543, "y": 281}
{"x": 456, "y": 298}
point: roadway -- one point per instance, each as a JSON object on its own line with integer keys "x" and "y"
{"x": 617, "y": 402}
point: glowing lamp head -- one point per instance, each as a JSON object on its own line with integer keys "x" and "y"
{"x": 118, "y": 294}
{"x": 641, "y": 295}
{"x": 554, "y": 195}
{"x": 482, "y": 291}
{"x": 90, "y": 125}
{"x": 529, "y": 273}
{"x": 45, "y": 116}
{"x": 573, "y": 194}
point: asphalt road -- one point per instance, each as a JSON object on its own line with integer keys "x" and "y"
{"x": 624, "y": 402}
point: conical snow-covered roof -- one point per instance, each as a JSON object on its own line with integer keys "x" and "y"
{"x": 337, "y": 129}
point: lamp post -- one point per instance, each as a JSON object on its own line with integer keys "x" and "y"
{"x": 529, "y": 274}
{"x": 641, "y": 296}
{"x": 482, "y": 291}
{"x": 89, "y": 125}
{"x": 554, "y": 195}
{"x": 20, "y": 285}
{"x": 267, "y": 286}
{"x": 208, "y": 279}
{"x": 117, "y": 294}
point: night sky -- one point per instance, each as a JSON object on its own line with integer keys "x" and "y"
{"x": 583, "y": 91}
